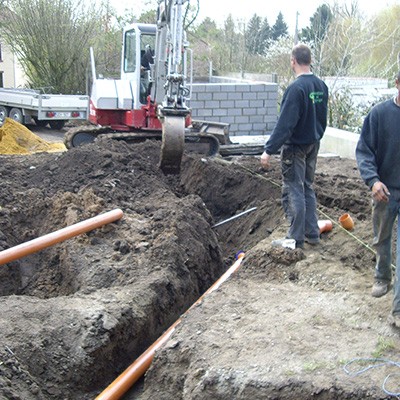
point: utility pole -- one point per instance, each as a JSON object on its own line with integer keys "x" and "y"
{"x": 296, "y": 31}
{"x": 242, "y": 24}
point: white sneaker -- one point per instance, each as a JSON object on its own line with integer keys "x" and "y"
{"x": 288, "y": 243}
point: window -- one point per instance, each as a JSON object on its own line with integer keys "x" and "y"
{"x": 1, "y": 54}
{"x": 1, "y": 79}
{"x": 130, "y": 51}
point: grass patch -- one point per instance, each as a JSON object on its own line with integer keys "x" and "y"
{"x": 312, "y": 366}
{"x": 383, "y": 346}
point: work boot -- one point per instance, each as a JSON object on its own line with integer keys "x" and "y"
{"x": 380, "y": 288}
{"x": 312, "y": 241}
{"x": 394, "y": 320}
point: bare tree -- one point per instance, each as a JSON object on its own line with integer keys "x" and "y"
{"x": 51, "y": 40}
{"x": 384, "y": 32}
{"x": 359, "y": 46}
{"x": 339, "y": 51}
{"x": 277, "y": 61}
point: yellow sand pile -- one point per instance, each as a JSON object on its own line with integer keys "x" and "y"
{"x": 15, "y": 138}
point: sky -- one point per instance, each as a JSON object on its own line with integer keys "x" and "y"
{"x": 243, "y": 10}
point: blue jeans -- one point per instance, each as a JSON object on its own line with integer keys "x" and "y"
{"x": 383, "y": 218}
{"x": 298, "y": 196}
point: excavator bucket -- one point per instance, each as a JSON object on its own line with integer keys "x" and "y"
{"x": 173, "y": 141}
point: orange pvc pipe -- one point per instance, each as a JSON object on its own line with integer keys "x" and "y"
{"x": 22, "y": 250}
{"x": 137, "y": 369}
{"x": 346, "y": 221}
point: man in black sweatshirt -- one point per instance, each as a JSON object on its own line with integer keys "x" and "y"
{"x": 378, "y": 159}
{"x": 300, "y": 127}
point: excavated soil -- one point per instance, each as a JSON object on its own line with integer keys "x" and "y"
{"x": 75, "y": 315}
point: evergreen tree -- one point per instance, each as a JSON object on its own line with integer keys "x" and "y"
{"x": 230, "y": 42}
{"x": 207, "y": 30}
{"x": 204, "y": 40}
{"x": 253, "y": 35}
{"x": 265, "y": 37}
{"x": 258, "y": 35}
{"x": 315, "y": 35}
{"x": 319, "y": 25}
{"x": 280, "y": 29}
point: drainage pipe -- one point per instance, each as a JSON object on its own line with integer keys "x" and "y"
{"x": 137, "y": 369}
{"x": 234, "y": 217}
{"x": 346, "y": 221}
{"x": 21, "y": 250}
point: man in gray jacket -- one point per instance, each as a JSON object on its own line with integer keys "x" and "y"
{"x": 378, "y": 159}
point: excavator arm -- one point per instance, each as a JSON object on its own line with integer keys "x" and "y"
{"x": 170, "y": 80}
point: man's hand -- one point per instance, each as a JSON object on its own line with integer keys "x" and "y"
{"x": 265, "y": 160}
{"x": 380, "y": 192}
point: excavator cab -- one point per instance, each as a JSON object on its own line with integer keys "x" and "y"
{"x": 138, "y": 60}
{"x": 120, "y": 103}
{"x": 151, "y": 63}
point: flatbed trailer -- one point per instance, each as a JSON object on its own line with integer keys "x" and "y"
{"x": 23, "y": 105}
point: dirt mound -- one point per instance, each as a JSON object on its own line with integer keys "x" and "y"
{"x": 77, "y": 314}
{"x": 15, "y": 138}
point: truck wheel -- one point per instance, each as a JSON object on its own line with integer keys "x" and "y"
{"x": 3, "y": 114}
{"x": 57, "y": 125}
{"x": 40, "y": 122}
{"x": 16, "y": 115}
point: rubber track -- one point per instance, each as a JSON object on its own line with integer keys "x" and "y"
{"x": 91, "y": 129}
{"x": 137, "y": 137}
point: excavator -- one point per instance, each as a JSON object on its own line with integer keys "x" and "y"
{"x": 149, "y": 101}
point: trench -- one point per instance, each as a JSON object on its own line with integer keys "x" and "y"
{"x": 110, "y": 293}
{"x": 225, "y": 189}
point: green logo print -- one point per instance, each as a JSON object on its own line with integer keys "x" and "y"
{"x": 316, "y": 97}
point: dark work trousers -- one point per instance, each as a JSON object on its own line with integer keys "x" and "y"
{"x": 298, "y": 196}
{"x": 383, "y": 217}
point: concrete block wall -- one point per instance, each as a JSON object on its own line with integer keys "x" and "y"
{"x": 251, "y": 108}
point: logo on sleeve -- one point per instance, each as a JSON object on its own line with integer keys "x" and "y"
{"x": 316, "y": 97}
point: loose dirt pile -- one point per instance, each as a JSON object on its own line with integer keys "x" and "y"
{"x": 15, "y": 138}
{"x": 76, "y": 315}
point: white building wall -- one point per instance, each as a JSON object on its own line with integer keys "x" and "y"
{"x": 12, "y": 73}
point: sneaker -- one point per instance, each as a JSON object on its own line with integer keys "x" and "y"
{"x": 394, "y": 320}
{"x": 380, "y": 288}
{"x": 285, "y": 242}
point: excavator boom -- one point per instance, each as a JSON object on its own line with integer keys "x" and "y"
{"x": 172, "y": 111}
